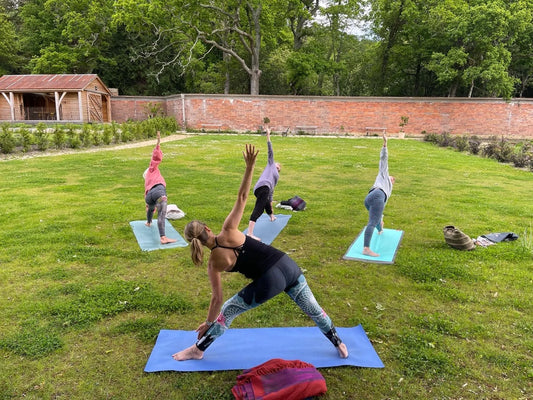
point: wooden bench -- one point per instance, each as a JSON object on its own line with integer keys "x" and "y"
{"x": 306, "y": 129}
{"x": 369, "y": 129}
{"x": 211, "y": 127}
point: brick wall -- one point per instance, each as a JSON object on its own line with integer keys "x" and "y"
{"x": 338, "y": 115}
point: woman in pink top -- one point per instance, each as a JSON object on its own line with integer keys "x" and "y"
{"x": 155, "y": 192}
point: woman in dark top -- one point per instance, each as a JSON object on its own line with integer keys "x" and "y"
{"x": 271, "y": 270}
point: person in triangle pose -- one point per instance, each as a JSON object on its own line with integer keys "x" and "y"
{"x": 155, "y": 192}
{"x": 376, "y": 199}
{"x": 264, "y": 188}
{"x": 271, "y": 271}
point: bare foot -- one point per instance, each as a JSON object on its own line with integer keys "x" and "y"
{"x": 190, "y": 353}
{"x": 254, "y": 237}
{"x": 148, "y": 224}
{"x": 343, "y": 350}
{"x": 368, "y": 252}
{"x": 165, "y": 240}
{"x": 273, "y": 218}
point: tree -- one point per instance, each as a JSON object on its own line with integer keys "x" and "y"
{"x": 478, "y": 35}
{"x": 8, "y": 44}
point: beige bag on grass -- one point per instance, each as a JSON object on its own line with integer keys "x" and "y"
{"x": 457, "y": 239}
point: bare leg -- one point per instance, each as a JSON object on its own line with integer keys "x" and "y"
{"x": 190, "y": 353}
{"x": 251, "y": 226}
{"x": 368, "y": 252}
{"x": 343, "y": 350}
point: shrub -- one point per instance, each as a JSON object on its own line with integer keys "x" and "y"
{"x": 59, "y": 138}
{"x": 107, "y": 134}
{"x": 73, "y": 138}
{"x": 504, "y": 151}
{"x": 85, "y": 135}
{"x": 461, "y": 143}
{"x": 431, "y": 138}
{"x": 474, "y": 144}
{"x": 41, "y": 136}
{"x": 115, "y": 129}
{"x": 445, "y": 140}
{"x": 523, "y": 155}
{"x": 7, "y": 139}
{"x": 96, "y": 136}
{"x": 26, "y": 139}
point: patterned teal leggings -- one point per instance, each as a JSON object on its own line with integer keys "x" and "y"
{"x": 299, "y": 292}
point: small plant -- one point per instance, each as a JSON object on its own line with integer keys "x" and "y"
{"x": 474, "y": 144}
{"x": 461, "y": 143}
{"x": 115, "y": 129}
{"x": 266, "y": 120}
{"x": 41, "y": 136}
{"x": 523, "y": 155}
{"x": 26, "y": 139}
{"x": 154, "y": 110}
{"x": 59, "y": 137}
{"x": 85, "y": 135}
{"x": 73, "y": 138}
{"x": 7, "y": 140}
{"x": 526, "y": 240}
{"x": 431, "y": 138}
{"x": 445, "y": 140}
{"x": 107, "y": 134}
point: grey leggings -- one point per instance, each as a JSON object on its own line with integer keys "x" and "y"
{"x": 299, "y": 292}
{"x": 157, "y": 197}
{"x": 374, "y": 203}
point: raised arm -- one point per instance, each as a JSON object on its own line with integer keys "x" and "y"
{"x": 234, "y": 218}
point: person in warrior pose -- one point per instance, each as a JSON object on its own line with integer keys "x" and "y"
{"x": 155, "y": 192}
{"x": 264, "y": 189}
{"x": 376, "y": 199}
{"x": 271, "y": 271}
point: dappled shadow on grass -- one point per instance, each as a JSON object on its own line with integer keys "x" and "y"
{"x": 77, "y": 306}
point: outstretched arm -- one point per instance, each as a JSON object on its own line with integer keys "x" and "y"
{"x": 384, "y": 140}
{"x": 234, "y": 218}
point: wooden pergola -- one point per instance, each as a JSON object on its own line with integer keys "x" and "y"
{"x": 61, "y": 97}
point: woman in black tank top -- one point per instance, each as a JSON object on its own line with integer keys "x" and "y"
{"x": 271, "y": 270}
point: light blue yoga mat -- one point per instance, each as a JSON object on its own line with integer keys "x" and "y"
{"x": 268, "y": 230}
{"x": 148, "y": 237}
{"x": 246, "y": 348}
{"x": 386, "y": 245}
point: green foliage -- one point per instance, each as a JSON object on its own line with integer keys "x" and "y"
{"x": 26, "y": 139}
{"x": 42, "y": 137}
{"x": 461, "y": 143}
{"x": 59, "y": 137}
{"x": 74, "y": 140}
{"x": 7, "y": 139}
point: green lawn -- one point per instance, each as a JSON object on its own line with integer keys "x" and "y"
{"x": 81, "y": 305}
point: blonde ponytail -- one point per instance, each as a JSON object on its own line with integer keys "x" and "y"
{"x": 195, "y": 233}
{"x": 197, "y": 252}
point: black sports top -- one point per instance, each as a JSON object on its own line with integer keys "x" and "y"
{"x": 253, "y": 257}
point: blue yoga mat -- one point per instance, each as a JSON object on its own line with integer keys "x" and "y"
{"x": 386, "y": 245}
{"x": 148, "y": 237}
{"x": 246, "y": 348}
{"x": 268, "y": 230}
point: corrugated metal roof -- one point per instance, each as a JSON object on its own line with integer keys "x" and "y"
{"x": 60, "y": 82}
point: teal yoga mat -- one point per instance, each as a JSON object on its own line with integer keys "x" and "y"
{"x": 246, "y": 348}
{"x": 148, "y": 237}
{"x": 386, "y": 245}
{"x": 267, "y": 230}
